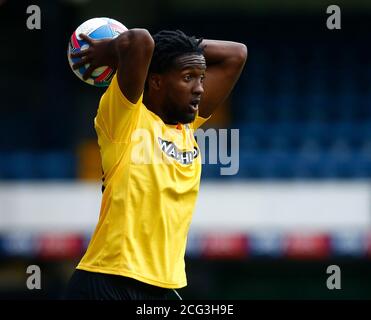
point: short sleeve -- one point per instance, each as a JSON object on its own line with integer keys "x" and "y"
{"x": 116, "y": 114}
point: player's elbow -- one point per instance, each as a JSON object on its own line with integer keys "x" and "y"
{"x": 139, "y": 39}
{"x": 237, "y": 61}
{"x": 143, "y": 38}
{"x": 241, "y": 53}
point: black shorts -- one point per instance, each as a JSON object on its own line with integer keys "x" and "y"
{"x": 86, "y": 285}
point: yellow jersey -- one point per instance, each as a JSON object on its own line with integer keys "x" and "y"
{"x": 151, "y": 178}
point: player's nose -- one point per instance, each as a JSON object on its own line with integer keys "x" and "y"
{"x": 198, "y": 88}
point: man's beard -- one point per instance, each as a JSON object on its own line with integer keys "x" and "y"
{"x": 181, "y": 117}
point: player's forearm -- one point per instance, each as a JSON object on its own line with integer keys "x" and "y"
{"x": 221, "y": 52}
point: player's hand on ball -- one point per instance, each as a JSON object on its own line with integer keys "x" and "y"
{"x": 95, "y": 55}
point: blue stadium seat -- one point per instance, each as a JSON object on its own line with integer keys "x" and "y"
{"x": 37, "y": 165}
{"x": 21, "y": 166}
{"x": 57, "y": 165}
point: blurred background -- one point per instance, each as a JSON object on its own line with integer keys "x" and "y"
{"x": 301, "y": 200}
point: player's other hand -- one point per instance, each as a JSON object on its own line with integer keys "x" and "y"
{"x": 97, "y": 55}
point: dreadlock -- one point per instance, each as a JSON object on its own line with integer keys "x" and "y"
{"x": 168, "y": 46}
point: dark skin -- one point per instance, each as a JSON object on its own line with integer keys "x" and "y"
{"x": 176, "y": 95}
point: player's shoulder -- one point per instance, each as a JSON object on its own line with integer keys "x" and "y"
{"x": 114, "y": 95}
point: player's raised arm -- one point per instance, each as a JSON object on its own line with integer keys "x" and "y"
{"x": 134, "y": 50}
{"x": 225, "y": 60}
{"x": 130, "y": 53}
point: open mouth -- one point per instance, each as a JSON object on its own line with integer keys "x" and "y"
{"x": 194, "y": 104}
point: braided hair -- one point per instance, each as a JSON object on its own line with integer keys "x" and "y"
{"x": 170, "y": 45}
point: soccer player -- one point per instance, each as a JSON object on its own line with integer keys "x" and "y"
{"x": 164, "y": 88}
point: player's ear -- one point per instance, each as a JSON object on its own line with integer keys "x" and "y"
{"x": 154, "y": 81}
